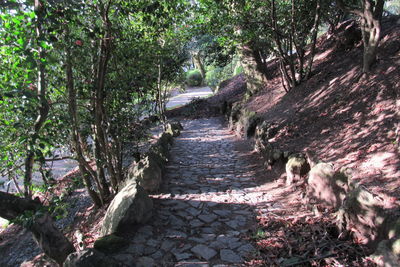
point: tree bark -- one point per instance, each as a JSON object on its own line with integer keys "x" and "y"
{"x": 254, "y": 69}
{"x": 49, "y": 238}
{"x": 86, "y": 170}
{"x": 370, "y": 13}
{"x": 313, "y": 39}
{"x": 43, "y": 106}
{"x": 199, "y": 64}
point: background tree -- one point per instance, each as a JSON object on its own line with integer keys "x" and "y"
{"x": 370, "y": 13}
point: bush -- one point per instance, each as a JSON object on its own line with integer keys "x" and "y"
{"x": 216, "y": 74}
{"x": 238, "y": 70}
{"x": 193, "y": 78}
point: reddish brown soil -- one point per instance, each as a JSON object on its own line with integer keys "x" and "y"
{"x": 345, "y": 119}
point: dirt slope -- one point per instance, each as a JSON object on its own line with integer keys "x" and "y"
{"x": 347, "y": 120}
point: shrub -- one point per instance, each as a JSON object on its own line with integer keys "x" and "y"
{"x": 238, "y": 70}
{"x": 216, "y": 74}
{"x": 193, "y": 78}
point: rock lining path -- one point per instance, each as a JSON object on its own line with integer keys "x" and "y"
{"x": 206, "y": 208}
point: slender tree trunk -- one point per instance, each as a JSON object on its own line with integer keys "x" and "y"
{"x": 313, "y": 39}
{"x": 371, "y": 15}
{"x": 101, "y": 123}
{"x": 371, "y": 31}
{"x": 86, "y": 170}
{"x": 41, "y": 91}
{"x": 254, "y": 69}
{"x": 289, "y": 77}
{"x": 199, "y": 64}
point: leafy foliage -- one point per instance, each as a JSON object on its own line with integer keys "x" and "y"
{"x": 194, "y": 78}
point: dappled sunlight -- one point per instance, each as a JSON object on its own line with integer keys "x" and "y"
{"x": 186, "y": 97}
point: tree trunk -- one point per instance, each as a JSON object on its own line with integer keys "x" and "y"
{"x": 199, "y": 64}
{"x": 49, "y": 238}
{"x": 86, "y": 170}
{"x": 370, "y": 14}
{"x": 43, "y": 106}
{"x": 101, "y": 122}
{"x": 254, "y": 69}
{"x": 371, "y": 31}
{"x": 313, "y": 39}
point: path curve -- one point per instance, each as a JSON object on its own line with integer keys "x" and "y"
{"x": 190, "y": 93}
{"x": 205, "y": 211}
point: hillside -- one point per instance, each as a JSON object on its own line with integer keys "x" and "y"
{"x": 346, "y": 119}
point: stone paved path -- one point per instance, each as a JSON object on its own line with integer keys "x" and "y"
{"x": 206, "y": 206}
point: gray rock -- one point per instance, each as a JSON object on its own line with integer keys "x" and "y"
{"x": 147, "y": 173}
{"x": 193, "y": 211}
{"x": 204, "y": 252}
{"x": 218, "y": 245}
{"x": 208, "y": 230}
{"x": 246, "y": 249}
{"x": 208, "y": 236}
{"x": 89, "y": 258}
{"x": 192, "y": 264}
{"x": 146, "y": 230}
{"x": 208, "y": 218}
{"x": 110, "y": 243}
{"x": 130, "y": 206}
{"x": 135, "y": 249}
{"x": 223, "y": 213}
{"x": 228, "y": 255}
{"x": 149, "y": 250}
{"x": 296, "y": 167}
{"x": 153, "y": 243}
{"x": 327, "y": 186}
{"x": 175, "y": 234}
{"x": 234, "y": 245}
{"x": 167, "y": 245}
{"x": 145, "y": 262}
{"x": 156, "y": 255}
{"x": 182, "y": 256}
{"x": 124, "y": 258}
{"x": 196, "y": 223}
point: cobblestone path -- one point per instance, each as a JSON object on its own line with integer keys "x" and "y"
{"x": 207, "y": 205}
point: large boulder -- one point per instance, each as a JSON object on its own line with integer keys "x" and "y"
{"x": 363, "y": 215}
{"x": 266, "y": 130}
{"x": 328, "y": 186}
{"x": 268, "y": 150}
{"x": 147, "y": 173}
{"x": 110, "y": 243}
{"x": 296, "y": 167}
{"x": 130, "y": 206}
{"x": 248, "y": 122}
{"x": 234, "y": 115}
{"x": 174, "y": 128}
{"x": 89, "y": 258}
{"x": 387, "y": 253}
{"x": 164, "y": 142}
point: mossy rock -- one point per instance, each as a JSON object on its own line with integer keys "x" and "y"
{"x": 147, "y": 173}
{"x": 89, "y": 258}
{"x": 387, "y": 253}
{"x": 328, "y": 186}
{"x": 296, "y": 167}
{"x": 234, "y": 115}
{"x": 266, "y": 130}
{"x": 110, "y": 243}
{"x": 174, "y": 129}
{"x": 250, "y": 120}
{"x": 363, "y": 215}
{"x": 130, "y": 206}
